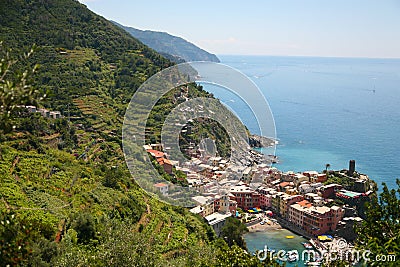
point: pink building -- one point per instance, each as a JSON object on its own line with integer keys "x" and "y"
{"x": 328, "y": 191}
{"x": 296, "y": 212}
{"x": 265, "y": 197}
{"x": 245, "y": 197}
{"x": 315, "y": 220}
{"x": 265, "y": 201}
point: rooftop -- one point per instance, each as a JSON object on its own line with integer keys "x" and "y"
{"x": 160, "y": 185}
{"x": 241, "y": 188}
{"x": 311, "y": 172}
{"x": 167, "y": 161}
{"x": 155, "y": 153}
{"x": 217, "y": 217}
{"x": 197, "y": 209}
{"x": 304, "y": 203}
{"x": 201, "y": 200}
{"x": 349, "y": 194}
{"x": 320, "y": 210}
{"x": 283, "y": 184}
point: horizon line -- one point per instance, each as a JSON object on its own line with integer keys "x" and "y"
{"x": 311, "y": 56}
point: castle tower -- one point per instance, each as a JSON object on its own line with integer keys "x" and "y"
{"x": 352, "y": 167}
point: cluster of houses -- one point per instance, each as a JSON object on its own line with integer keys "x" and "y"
{"x": 45, "y": 113}
{"x": 301, "y": 200}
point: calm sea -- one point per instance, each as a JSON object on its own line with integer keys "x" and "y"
{"x": 276, "y": 240}
{"x": 328, "y": 110}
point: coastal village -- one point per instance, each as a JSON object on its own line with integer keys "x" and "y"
{"x": 262, "y": 196}
{"x": 305, "y": 203}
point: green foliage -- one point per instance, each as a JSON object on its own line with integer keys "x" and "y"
{"x": 380, "y": 231}
{"x": 14, "y": 236}
{"x": 237, "y": 257}
{"x": 85, "y": 227}
{"x": 200, "y": 127}
{"x": 15, "y": 89}
{"x": 112, "y": 177}
{"x": 176, "y": 48}
{"x": 345, "y": 181}
{"x": 207, "y": 128}
{"x": 43, "y": 252}
{"x": 33, "y": 123}
{"x": 79, "y": 52}
{"x": 233, "y": 231}
{"x": 102, "y": 222}
{"x": 68, "y": 134}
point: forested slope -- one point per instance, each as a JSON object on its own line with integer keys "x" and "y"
{"x": 66, "y": 196}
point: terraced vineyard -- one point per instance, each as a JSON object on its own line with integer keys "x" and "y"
{"x": 97, "y": 111}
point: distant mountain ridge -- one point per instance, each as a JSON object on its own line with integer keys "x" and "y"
{"x": 172, "y": 47}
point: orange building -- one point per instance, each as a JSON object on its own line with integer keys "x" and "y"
{"x": 162, "y": 160}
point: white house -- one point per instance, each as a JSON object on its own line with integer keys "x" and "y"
{"x": 162, "y": 187}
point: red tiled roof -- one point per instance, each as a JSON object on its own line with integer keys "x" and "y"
{"x": 160, "y": 185}
{"x": 155, "y": 153}
{"x": 283, "y": 184}
{"x": 163, "y": 161}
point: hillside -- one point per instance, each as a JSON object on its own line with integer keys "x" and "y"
{"x": 172, "y": 47}
{"x": 66, "y": 196}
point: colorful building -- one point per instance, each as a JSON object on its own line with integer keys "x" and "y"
{"x": 206, "y": 204}
{"x": 286, "y": 201}
{"x": 276, "y": 201}
{"x": 225, "y": 204}
{"x": 315, "y": 220}
{"x": 245, "y": 196}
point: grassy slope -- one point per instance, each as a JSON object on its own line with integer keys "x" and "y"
{"x": 47, "y": 188}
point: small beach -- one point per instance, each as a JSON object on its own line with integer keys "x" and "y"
{"x": 265, "y": 227}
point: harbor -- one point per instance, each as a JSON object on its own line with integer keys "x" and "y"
{"x": 276, "y": 239}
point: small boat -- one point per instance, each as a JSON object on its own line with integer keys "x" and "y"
{"x": 313, "y": 263}
{"x": 289, "y": 236}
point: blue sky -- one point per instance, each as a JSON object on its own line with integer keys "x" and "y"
{"x": 340, "y": 28}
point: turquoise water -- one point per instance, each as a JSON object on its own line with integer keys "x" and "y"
{"x": 328, "y": 110}
{"x": 275, "y": 240}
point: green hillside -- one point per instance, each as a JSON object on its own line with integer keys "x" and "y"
{"x": 66, "y": 196}
{"x": 173, "y": 47}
